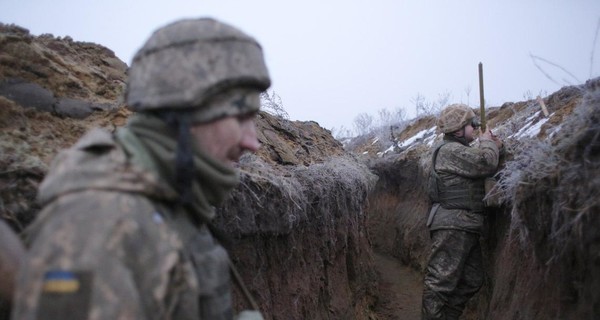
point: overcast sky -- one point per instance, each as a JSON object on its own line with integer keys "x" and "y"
{"x": 331, "y": 60}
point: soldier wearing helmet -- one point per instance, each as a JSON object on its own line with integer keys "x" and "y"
{"x": 124, "y": 231}
{"x": 455, "y": 271}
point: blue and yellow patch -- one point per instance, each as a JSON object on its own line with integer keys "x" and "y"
{"x": 65, "y": 295}
{"x": 60, "y": 281}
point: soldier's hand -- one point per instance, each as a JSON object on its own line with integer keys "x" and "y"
{"x": 497, "y": 140}
{"x": 486, "y": 135}
{"x": 489, "y": 135}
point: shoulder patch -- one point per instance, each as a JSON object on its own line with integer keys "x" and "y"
{"x": 65, "y": 295}
{"x": 58, "y": 281}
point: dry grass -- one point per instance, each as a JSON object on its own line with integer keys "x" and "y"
{"x": 554, "y": 192}
{"x": 567, "y": 168}
{"x": 275, "y": 200}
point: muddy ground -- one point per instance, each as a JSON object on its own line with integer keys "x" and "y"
{"x": 400, "y": 289}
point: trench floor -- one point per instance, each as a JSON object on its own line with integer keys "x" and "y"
{"x": 400, "y": 290}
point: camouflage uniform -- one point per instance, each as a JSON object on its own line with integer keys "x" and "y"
{"x": 116, "y": 238}
{"x": 111, "y": 244}
{"x": 455, "y": 271}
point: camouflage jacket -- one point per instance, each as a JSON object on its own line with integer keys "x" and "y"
{"x": 458, "y": 164}
{"x": 111, "y": 243}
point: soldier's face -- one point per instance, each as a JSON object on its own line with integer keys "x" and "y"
{"x": 469, "y": 130}
{"x": 228, "y": 138}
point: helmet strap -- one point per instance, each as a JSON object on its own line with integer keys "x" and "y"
{"x": 184, "y": 159}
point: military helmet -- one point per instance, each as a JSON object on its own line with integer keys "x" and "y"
{"x": 454, "y": 117}
{"x": 187, "y": 62}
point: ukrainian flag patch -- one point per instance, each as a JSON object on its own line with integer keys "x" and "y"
{"x": 65, "y": 294}
{"x": 60, "y": 281}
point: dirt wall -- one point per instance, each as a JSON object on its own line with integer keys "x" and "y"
{"x": 301, "y": 240}
{"x": 398, "y": 209}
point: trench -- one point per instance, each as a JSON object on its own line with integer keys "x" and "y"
{"x": 400, "y": 289}
{"x": 395, "y": 206}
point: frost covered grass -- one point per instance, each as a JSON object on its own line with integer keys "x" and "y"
{"x": 562, "y": 180}
{"x": 276, "y": 200}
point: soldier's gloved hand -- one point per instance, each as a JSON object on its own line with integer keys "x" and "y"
{"x": 249, "y": 315}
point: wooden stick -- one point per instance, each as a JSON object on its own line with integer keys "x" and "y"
{"x": 481, "y": 98}
{"x": 543, "y": 105}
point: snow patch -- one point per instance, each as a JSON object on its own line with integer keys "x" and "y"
{"x": 417, "y": 136}
{"x": 530, "y": 129}
{"x": 390, "y": 149}
{"x": 430, "y": 140}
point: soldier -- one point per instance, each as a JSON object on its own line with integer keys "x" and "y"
{"x": 123, "y": 233}
{"x": 455, "y": 271}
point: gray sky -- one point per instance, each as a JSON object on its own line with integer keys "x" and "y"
{"x": 332, "y": 60}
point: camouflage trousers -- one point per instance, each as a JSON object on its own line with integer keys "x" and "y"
{"x": 454, "y": 274}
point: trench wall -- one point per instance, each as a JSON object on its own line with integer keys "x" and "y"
{"x": 303, "y": 249}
